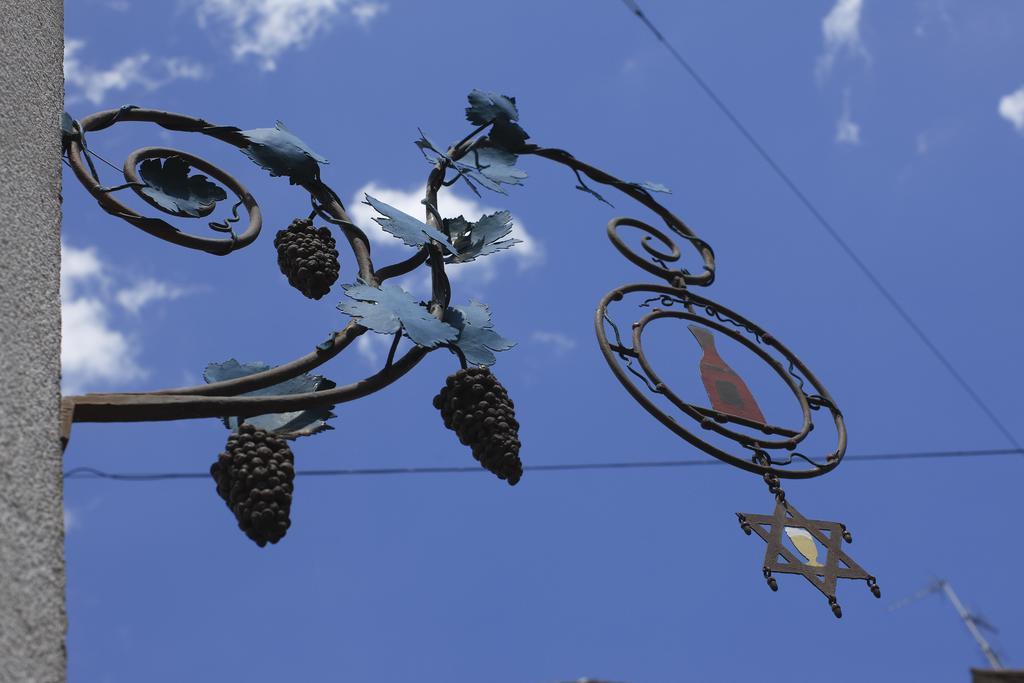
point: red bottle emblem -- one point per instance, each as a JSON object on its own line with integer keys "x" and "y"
{"x": 726, "y": 390}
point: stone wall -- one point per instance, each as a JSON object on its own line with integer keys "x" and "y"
{"x": 32, "y": 616}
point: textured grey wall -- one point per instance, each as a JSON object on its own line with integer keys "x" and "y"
{"x": 32, "y": 617}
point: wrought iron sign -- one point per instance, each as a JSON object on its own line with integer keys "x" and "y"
{"x": 265, "y": 406}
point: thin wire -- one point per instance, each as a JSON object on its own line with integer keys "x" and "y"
{"x": 93, "y": 473}
{"x": 833, "y": 233}
{"x": 92, "y": 153}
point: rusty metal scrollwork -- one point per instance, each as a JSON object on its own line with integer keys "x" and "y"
{"x": 223, "y": 398}
{"x": 483, "y": 158}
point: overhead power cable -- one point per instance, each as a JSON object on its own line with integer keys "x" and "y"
{"x": 93, "y": 473}
{"x": 823, "y": 222}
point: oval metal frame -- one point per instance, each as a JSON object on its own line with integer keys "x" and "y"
{"x": 707, "y": 422}
{"x": 157, "y": 226}
{"x": 131, "y": 174}
{"x": 753, "y": 445}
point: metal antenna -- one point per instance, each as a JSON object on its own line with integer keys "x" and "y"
{"x": 971, "y": 621}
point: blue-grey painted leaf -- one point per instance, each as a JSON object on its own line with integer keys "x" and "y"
{"x": 652, "y": 186}
{"x": 491, "y": 167}
{"x": 485, "y": 164}
{"x": 68, "y": 125}
{"x": 390, "y": 308}
{"x": 411, "y": 231}
{"x": 69, "y": 130}
{"x": 169, "y": 185}
{"x": 289, "y": 425}
{"x": 278, "y": 151}
{"x": 472, "y": 186}
{"x": 481, "y": 238}
{"x": 426, "y": 144}
{"x": 583, "y": 187}
{"x": 432, "y": 153}
{"x": 508, "y": 136}
{"x": 477, "y": 339}
{"x": 485, "y": 107}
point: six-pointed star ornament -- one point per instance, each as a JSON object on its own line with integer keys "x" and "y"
{"x": 805, "y": 535}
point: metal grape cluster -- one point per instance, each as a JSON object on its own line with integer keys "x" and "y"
{"x": 285, "y": 401}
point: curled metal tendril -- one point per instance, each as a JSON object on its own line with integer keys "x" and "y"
{"x": 667, "y": 300}
{"x": 713, "y": 310}
{"x": 226, "y": 225}
{"x": 626, "y": 354}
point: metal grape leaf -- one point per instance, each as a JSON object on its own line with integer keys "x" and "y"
{"x": 487, "y": 107}
{"x": 174, "y": 190}
{"x": 278, "y": 151}
{"x": 390, "y": 308}
{"x": 425, "y": 143}
{"x": 477, "y": 339}
{"x": 288, "y": 425}
{"x": 411, "y": 231}
{"x": 508, "y": 136}
{"x": 490, "y": 167}
{"x": 481, "y": 238}
{"x": 583, "y": 187}
{"x": 68, "y": 125}
{"x": 69, "y": 130}
{"x": 651, "y": 186}
{"x": 485, "y": 164}
{"x": 501, "y": 110}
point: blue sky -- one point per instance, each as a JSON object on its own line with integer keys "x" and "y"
{"x": 904, "y": 123}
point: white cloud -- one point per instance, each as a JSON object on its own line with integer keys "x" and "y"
{"x": 922, "y": 143}
{"x": 629, "y": 65}
{"x": 841, "y": 31}
{"x": 559, "y": 343}
{"x": 373, "y": 347}
{"x": 266, "y": 28}
{"x": 479, "y": 272}
{"x": 88, "y": 82}
{"x": 932, "y": 11}
{"x": 934, "y": 138}
{"x": 136, "y": 296}
{"x": 94, "y": 352}
{"x": 365, "y": 12}
{"x": 1011, "y": 108}
{"x": 179, "y": 67}
{"x": 76, "y": 266}
{"x": 847, "y": 130}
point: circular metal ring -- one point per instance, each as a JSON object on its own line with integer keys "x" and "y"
{"x": 248, "y": 201}
{"x": 137, "y": 156}
{"x": 645, "y": 381}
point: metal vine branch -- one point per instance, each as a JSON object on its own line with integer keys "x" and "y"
{"x": 265, "y": 405}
